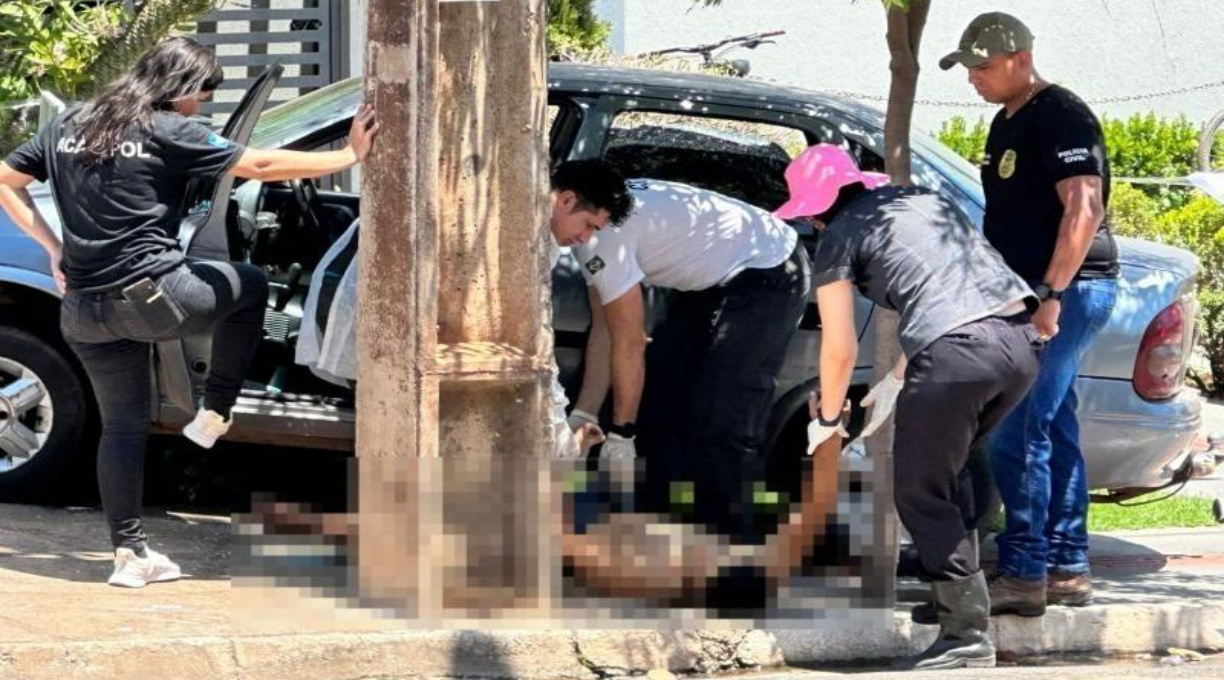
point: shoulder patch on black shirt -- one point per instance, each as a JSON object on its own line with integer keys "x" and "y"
{"x": 595, "y": 265}
{"x": 218, "y": 141}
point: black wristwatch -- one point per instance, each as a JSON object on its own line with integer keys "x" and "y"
{"x": 1045, "y": 291}
{"x": 626, "y": 430}
{"x": 827, "y": 423}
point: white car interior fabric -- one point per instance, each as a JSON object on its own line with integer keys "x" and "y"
{"x": 327, "y": 343}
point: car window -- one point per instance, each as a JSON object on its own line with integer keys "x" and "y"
{"x": 743, "y": 159}
{"x": 562, "y": 124}
{"x": 284, "y": 124}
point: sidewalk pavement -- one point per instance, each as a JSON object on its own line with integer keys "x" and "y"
{"x": 1157, "y": 589}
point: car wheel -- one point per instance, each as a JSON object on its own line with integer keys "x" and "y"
{"x": 46, "y": 418}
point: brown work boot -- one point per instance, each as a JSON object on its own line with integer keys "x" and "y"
{"x": 1010, "y": 595}
{"x": 1069, "y": 589}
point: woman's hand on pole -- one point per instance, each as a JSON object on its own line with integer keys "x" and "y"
{"x": 362, "y": 132}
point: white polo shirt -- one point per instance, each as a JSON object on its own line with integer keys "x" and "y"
{"x": 560, "y": 401}
{"x": 683, "y": 238}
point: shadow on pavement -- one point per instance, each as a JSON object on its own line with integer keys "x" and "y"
{"x": 1115, "y": 555}
{"x": 73, "y": 545}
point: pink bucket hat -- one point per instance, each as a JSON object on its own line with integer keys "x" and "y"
{"x": 815, "y": 177}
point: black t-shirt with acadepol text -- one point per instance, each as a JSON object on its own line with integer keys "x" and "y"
{"x": 120, "y": 216}
{"x": 1053, "y": 137}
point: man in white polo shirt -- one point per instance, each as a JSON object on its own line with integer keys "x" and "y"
{"x": 739, "y": 281}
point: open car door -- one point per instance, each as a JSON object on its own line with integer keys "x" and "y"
{"x": 203, "y": 232}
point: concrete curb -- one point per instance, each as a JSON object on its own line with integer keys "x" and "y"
{"x": 1106, "y": 630}
{"x": 584, "y": 655}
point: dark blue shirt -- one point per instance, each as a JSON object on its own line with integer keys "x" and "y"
{"x": 911, "y": 250}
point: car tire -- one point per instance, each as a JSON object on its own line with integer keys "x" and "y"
{"x": 61, "y": 463}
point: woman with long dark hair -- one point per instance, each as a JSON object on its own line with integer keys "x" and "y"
{"x": 118, "y": 167}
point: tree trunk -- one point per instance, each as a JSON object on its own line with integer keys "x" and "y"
{"x": 904, "y": 36}
{"x": 453, "y": 328}
{"x": 396, "y": 260}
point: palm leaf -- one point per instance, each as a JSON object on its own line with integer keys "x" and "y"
{"x": 152, "y": 20}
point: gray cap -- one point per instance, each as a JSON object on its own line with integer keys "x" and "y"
{"x": 989, "y": 34}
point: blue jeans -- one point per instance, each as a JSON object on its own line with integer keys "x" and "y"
{"x": 1035, "y": 451}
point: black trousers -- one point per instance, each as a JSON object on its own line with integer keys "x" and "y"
{"x": 711, "y": 369}
{"x": 113, "y": 341}
{"x": 956, "y": 390}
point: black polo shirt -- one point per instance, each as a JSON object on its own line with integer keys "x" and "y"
{"x": 1053, "y": 137}
{"x": 121, "y": 216}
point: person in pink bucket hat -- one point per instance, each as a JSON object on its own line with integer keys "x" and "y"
{"x": 817, "y": 175}
{"x": 970, "y": 353}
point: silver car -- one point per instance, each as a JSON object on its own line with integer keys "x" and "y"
{"x": 727, "y": 134}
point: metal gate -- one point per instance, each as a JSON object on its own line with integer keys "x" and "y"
{"x": 308, "y": 36}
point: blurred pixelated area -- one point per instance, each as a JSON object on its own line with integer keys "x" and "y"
{"x": 525, "y": 542}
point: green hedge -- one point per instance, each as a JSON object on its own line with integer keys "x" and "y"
{"x": 1139, "y": 146}
{"x": 49, "y": 44}
{"x": 1197, "y": 226}
{"x": 574, "y": 27}
{"x": 14, "y": 130}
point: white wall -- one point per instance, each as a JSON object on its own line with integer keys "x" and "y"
{"x": 1098, "y": 48}
{"x": 357, "y": 10}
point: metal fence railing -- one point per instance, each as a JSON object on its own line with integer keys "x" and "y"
{"x": 308, "y": 36}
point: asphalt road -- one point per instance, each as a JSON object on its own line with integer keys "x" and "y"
{"x": 1031, "y": 669}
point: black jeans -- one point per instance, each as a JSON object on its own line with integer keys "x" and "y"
{"x": 113, "y": 341}
{"x": 956, "y": 390}
{"x": 711, "y": 368}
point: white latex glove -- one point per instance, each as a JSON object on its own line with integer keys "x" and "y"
{"x": 882, "y": 399}
{"x": 617, "y": 447}
{"x": 819, "y": 434}
{"x": 577, "y": 418}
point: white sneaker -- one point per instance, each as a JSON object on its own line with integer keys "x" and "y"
{"x": 207, "y": 427}
{"x": 133, "y": 572}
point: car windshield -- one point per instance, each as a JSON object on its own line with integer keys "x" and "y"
{"x": 287, "y": 123}
{"x": 959, "y": 171}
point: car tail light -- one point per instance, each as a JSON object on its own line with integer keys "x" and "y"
{"x": 1160, "y": 367}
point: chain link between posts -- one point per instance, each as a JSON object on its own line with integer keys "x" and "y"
{"x": 1120, "y": 99}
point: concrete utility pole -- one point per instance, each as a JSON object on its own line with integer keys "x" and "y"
{"x": 453, "y": 335}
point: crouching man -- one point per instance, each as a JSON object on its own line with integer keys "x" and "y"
{"x": 970, "y": 355}
{"x": 695, "y": 401}
{"x": 586, "y": 197}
